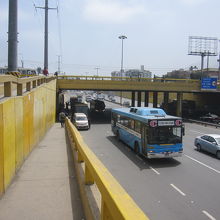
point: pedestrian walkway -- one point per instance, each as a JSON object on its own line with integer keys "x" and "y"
{"x": 46, "y": 186}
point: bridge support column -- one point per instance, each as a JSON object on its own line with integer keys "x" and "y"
{"x": 139, "y": 99}
{"x": 20, "y": 89}
{"x": 28, "y": 86}
{"x": 7, "y": 89}
{"x": 34, "y": 84}
{"x": 133, "y": 98}
{"x": 165, "y": 100}
{"x": 155, "y": 97}
{"x": 146, "y": 99}
{"x": 179, "y": 104}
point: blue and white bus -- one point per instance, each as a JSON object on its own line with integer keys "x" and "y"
{"x": 149, "y": 131}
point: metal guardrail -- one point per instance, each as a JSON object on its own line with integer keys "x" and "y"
{"x": 116, "y": 204}
{"x": 203, "y": 123}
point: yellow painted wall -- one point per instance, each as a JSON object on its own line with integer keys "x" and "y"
{"x": 24, "y": 121}
{"x": 9, "y": 140}
{"x": 1, "y": 152}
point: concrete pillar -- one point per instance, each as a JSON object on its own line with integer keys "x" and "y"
{"x": 20, "y": 89}
{"x": 165, "y": 100}
{"x": 7, "y": 89}
{"x": 179, "y": 104}
{"x": 133, "y": 98}
{"x": 146, "y": 98}
{"x": 155, "y": 96}
{"x": 28, "y": 86}
{"x": 34, "y": 84}
{"x": 38, "y": 82}
{"x": 139, "y": 99}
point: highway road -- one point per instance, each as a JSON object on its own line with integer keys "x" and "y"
{"x": 183, "y": 188}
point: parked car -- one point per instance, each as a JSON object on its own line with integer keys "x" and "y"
{"x": 81, "y": 121}
{"x": 210, "y": 118}
{"x": 209, "y": 143}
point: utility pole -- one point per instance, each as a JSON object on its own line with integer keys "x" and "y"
{"x": 46, "y": 8}
{"x": 59, "y": 64}
{"x": 12, "y": 36}
{"x": 97, "y": 69}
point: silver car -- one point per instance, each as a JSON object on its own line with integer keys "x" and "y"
{"x": 209, "y": 143}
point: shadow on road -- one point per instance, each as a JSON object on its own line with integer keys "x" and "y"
{"x": 141, "y": 161}
{"x": 101, "y": 117}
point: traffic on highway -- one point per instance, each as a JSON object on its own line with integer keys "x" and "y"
{"x": 185, "y": 187}
{"x": 180, "y": 188}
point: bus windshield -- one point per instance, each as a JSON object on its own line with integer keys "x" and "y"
{"x": 164, "y": 135}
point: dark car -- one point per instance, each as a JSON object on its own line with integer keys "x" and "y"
{"x": 209, "y": 143}
{"x": 210, "y": 118}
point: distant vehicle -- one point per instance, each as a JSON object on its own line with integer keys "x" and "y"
{"x": 101, "y": 96}
{"x": 112, "y": 99}
{"x": 97, "y": 106}
{"x": 88, "y": 98}
{"x": 81, "y": 121}
{"x": 126, "y": 104}
{"x": 80, "y": 98}
{"x": 149, "y": 131}
{"x": 209, "y": 143}
{"x": 188, "y": 108}
{"x": 210, "y": 118}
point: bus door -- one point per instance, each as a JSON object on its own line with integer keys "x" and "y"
{"x": 144, "y": 139}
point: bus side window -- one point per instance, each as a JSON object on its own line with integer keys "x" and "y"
{"x": 137, "y": 126}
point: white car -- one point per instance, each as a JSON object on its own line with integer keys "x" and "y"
{"x": 81, "y": 121}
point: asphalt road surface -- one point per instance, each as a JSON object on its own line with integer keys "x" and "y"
{"x": 184, "y": 188}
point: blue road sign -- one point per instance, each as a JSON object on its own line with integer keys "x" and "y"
{"x": 209, "y": 83}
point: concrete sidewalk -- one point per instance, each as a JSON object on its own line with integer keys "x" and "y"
{"x": 46, "y": 186}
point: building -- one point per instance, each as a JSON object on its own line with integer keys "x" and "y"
{"x": 133, "y": 73}
{"x": 179, "y": 74}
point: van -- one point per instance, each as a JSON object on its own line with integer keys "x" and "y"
{"x": 81, "y": 121}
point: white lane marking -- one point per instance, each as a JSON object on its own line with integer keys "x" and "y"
{"x": 177, "y": 189}
{"x": 208, "y": 215}
{"x": 155, "y": 170}
{"x": 211, "y": 168}
{"x": 196, "y": 131}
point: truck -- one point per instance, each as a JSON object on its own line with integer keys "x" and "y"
{"x": 78, "y": 107}
{"x": 97, "y": 106}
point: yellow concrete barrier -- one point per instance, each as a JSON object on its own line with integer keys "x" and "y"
{"x": 116, "y": 204}
{"x": 23, "y": 122}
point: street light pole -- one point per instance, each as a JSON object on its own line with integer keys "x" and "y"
{"x": 122, "y": 37}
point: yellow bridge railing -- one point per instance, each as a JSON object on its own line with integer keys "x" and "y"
{"x": 116, "y": 204}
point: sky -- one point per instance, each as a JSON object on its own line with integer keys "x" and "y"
{"x": 85, "y": 34}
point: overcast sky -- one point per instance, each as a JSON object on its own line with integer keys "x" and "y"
{"x": 85, "y": 33}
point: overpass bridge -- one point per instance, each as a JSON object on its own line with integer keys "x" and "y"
{"x": 142, "y": 89}
{"x": 27, "y": 114}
